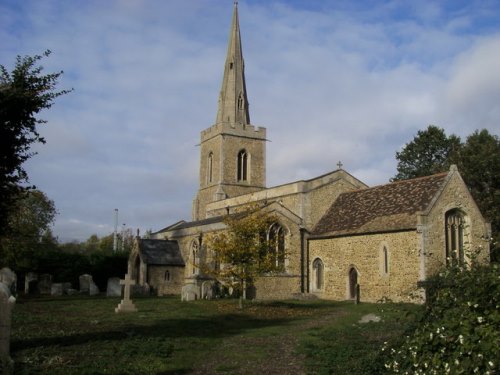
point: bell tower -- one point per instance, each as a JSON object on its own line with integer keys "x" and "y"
{"x": 232, "y": 151}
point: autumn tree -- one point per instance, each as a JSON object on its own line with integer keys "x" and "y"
{"x": 431, "y": 151}
{"x": 24, "y": 93}
{"x": 240, "y": 253}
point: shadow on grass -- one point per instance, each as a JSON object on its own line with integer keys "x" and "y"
{"x": 213, "y": 327}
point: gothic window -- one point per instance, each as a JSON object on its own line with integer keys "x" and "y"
{"x": 210, "y": 167}
{"x": 277, "y": 242}
{"x": 454, "y": 226}
{"x": 167, "y": 275}
{"x": 318, "y": 270}
{"x": 242, "y": 165}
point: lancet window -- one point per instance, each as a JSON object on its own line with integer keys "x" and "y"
{"x": 242, "y": 165}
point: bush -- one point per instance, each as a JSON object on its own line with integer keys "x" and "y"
{"x": 459, "y": 333}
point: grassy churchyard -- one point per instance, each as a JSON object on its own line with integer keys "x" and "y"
{"x": 83, "y": 335}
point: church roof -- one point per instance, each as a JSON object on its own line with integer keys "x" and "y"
{"x": 389, "y": 207}
{"x": 160, "y": 252}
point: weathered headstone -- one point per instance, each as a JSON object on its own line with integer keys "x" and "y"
{"x": 7, "y": 302}
{"x": 85, "y": 281}
{"x": 126, "y": 305}
{"x": 93, "y": 289}
{"x": 45, "y": 283}
{"x": 9, "y": 278}
{"x": 190, "y": 292}
{"x": 114, "y": 288}
{"x": 31, "y": 283}
{"x": 56, "y": 289}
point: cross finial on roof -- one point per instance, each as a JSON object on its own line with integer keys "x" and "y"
{"x": 340, "y": 165}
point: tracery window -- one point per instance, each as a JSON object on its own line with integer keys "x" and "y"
{"x": 277, "y": 241}
{"x": 242, "y": 165}
{"x": 318, "y": 271}
{"x": 454, "y": 227}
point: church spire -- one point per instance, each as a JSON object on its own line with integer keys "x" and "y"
{"x": 233, "y": 102}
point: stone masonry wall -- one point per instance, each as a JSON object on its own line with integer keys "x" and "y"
{"x": 454, "y": 196}
{"x": 365, "y": 254}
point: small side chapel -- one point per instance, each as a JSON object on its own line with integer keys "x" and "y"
{"x": 338, "y": 234}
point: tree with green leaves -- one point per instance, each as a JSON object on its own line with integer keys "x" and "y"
{"x": 243, "y": 251}
{"x": 24, "y": 93}
{"x": 29, "y": 220}
{"x": 431, "y": 151}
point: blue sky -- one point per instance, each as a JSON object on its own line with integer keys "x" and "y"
{"x": 330, "y": 79}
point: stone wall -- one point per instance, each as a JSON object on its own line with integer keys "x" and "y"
{"x": 455, "y": 195}
{"x": 365, "y": 254}
{"x": 166, "y": 280}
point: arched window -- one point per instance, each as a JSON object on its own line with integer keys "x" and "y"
{"x": 210, "y": 167}
{"x": 318, "y": 277}
{"x": 167, "y": 275}
{"x": 242, "y": 165}
{"x": 277, "y": 242}
{"x": 454, "y": 227}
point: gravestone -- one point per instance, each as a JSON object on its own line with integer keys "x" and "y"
{"x": 85, "y": 281}
{"x": 7, "y": 302}
{"x": 93, "y": 289}
{"x": 56, "y": 289}
{"x": 126, "y": 305}
{"x": 45, "y": 283}
{"x": 31, "y": 283}
{"x": 190, "y": 292}
{"x": 114, "y": 288}
{"x": 9, "y": 278}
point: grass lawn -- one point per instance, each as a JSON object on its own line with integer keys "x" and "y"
{"x": 83, "y": 335}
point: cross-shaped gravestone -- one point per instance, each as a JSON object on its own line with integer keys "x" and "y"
{"x": 126, "y": 305}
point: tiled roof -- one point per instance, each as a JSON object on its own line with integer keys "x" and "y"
{"x": 160, "y": 252}
{"x": 381, "y": 208}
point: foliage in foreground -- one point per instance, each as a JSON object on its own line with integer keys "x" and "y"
{"x": 460, "y": 330}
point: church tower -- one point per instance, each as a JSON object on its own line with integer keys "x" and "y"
{"x": 232, "y": 152}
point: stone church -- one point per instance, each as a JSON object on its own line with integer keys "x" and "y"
{"x": 339, "y": 235}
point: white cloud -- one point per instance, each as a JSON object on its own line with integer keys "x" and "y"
{"x": 331, "y": 81}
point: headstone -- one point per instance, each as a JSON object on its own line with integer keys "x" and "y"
{"x": 7, "y": 302}
{"x": 93, "y": 289}
{"x": 114, "y": 288}
{"x": 190, "y": 292}
{"x": 31, "y": 283}
{"x": 126, "y": 305}
{"x": 85, "y": 281}
{"x": 45, "y": 283}
{"x": 56, "y": 289}
{"x": 9, "y": 278}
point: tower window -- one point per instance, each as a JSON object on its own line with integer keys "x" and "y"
{"x": 242, "y": 165}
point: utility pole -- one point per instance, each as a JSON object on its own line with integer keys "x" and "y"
{"x": 115, "y": 235}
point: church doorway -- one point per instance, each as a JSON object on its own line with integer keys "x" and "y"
{"x": 353, "y": 282}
